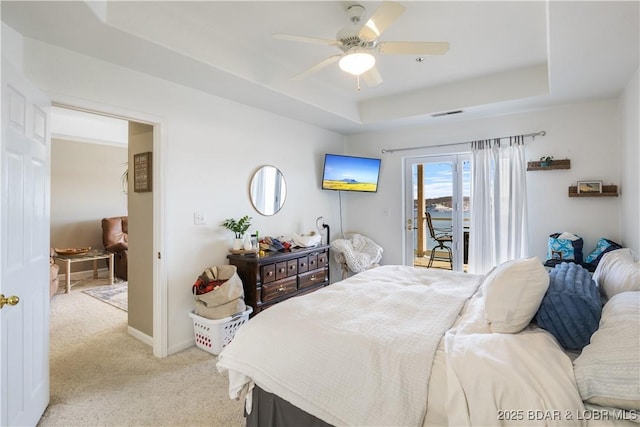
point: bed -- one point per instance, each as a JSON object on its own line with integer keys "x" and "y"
{"x": 399, "y": 345}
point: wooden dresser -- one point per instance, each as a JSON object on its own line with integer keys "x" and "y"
{"x": 276, "y": 276}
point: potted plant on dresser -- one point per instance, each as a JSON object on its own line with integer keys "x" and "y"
{"x": 238, "y": 227}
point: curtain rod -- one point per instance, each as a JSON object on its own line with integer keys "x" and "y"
{"x": 392, "y": 150}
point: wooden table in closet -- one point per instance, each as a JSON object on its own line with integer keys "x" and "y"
{"x": 276, "y": 276}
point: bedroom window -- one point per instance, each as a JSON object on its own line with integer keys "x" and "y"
{"x": 437, "y": 190}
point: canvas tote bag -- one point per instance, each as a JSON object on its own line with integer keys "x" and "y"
{"x": 565, "y": 247}
{"x": 226, "y": 299}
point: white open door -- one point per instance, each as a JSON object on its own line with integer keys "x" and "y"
{"x": 24, "y": 251}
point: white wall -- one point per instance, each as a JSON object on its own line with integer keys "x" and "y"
{"x": 585, "y": 133}
{"x": 630, "y": 152}
{"x": 211, "y": 147}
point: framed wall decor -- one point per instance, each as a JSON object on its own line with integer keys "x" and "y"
{"x": 142, "y": 172}
{"x": 589, "y": 187}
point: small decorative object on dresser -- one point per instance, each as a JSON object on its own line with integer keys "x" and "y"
{"x": 238, "y": 227}
{"x": 277, "y": 276}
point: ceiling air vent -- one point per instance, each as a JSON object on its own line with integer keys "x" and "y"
{"x": 446, "y": 113}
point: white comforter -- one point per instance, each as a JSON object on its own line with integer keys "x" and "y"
{"x": 363, "y": 352}
{"x": 508, "y": 379}
{"x": 358, "y": 352}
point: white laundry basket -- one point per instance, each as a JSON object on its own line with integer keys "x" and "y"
{"x": 212, "y": 335}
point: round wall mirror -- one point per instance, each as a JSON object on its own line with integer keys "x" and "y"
{"x": 268, "y": 190}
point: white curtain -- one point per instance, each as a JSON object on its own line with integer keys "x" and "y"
{"x": 498, "y": 204}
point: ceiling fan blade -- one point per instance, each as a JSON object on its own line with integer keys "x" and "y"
{"x": 318, "y": 66}
{"x": 413, "y": 48}
{"x": 305, "y": 39}
{"x": 381, "y": 19}
{"x": 372, "y": 77}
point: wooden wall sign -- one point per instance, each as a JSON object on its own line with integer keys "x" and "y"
{"x": 142, "y": 172}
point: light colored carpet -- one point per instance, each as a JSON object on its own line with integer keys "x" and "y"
{"x": 101, "y": 376}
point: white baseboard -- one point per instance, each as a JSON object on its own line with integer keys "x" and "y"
{"x": 144, "y": 338}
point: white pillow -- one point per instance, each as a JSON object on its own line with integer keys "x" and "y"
{"x": 608, "y": 369}
{"x": 618, "y": 271}
{"x": 513, "y": 292}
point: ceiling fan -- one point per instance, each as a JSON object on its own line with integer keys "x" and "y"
{"x": 359, "y": 42}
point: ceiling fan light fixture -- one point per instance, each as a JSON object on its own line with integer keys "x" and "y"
{"x": 357, "y": 63}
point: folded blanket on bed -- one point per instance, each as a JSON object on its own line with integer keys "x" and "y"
{"x": 358, "y": 352}
{"x": 520, "y": 379}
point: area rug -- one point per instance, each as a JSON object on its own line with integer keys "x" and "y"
{"x": 115, "y": 295}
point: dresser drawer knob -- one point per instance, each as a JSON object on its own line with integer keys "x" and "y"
{"x": 292, "y": 267}
{"x": 270, "y": 273}
{"x": 281, "y": 289}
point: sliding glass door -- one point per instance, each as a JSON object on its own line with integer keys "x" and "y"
{"x": 437, "y": 211}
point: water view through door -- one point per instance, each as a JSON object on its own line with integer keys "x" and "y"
{"x": 438, "y": 211}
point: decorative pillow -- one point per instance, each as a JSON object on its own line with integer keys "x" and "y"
{"x": 608, "y": 369}
{"x": 513, "y": 292}
{"x": 571, "y": 308}
{"x": 603, "y": 246}
{"x": 618, "y": 271}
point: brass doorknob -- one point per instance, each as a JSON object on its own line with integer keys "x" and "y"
{"x": 12, "y": 300}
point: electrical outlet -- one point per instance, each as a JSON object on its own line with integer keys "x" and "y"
{"x": 199, "y": 218}
{"x": 386, "y": 212}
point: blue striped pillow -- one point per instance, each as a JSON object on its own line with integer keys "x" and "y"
{"x": 571, "y": 307}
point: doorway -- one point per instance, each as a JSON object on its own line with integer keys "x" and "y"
{"x": 147, "y": 304}
{"x": 437, "y": 211}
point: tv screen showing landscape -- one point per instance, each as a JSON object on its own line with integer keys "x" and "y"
{"x": 349, "y": 173}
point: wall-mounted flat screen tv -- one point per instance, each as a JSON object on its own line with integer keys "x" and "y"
{"x": 350, "y": 173}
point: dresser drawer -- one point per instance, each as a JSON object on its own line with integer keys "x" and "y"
{"x": 323, "y": 259}
{"x": 268, "y": 273}
{"x": 313, "y": 262}
{"x": 312, "y": 278}
{"x": 279, "y": 289}
{"x": 281, "y": 270}
{"x": 292, "y": 267}
{"x": 303, "y": 264}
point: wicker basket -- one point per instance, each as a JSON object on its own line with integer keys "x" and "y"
{"x": 212, "y": 335}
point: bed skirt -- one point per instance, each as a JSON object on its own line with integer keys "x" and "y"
{"x": 269, "y": 410}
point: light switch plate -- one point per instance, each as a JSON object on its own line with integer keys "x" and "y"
{"x": 199, "y": 218}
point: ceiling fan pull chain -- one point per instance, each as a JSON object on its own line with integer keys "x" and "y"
{"x": 358, "y": 83}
